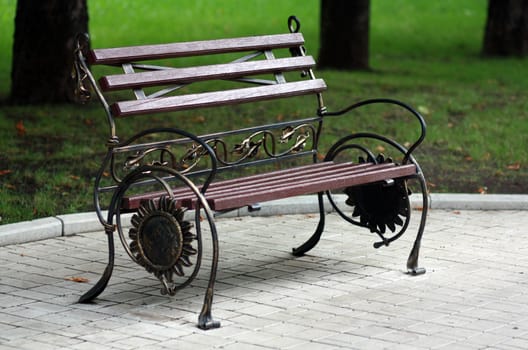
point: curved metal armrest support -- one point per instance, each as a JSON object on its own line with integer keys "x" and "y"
{"x": 387, "y": 101}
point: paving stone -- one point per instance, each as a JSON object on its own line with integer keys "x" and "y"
{"x": 342, "y": 295}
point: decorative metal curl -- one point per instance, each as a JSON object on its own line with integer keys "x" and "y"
{"x": 292, "y": 138}
{"x": 251, "y": 146}
{"x": 138, "y": 159}
{"x": 294, "y": 25}
{"x": 79, "y": 71}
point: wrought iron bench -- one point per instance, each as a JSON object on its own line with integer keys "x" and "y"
{"x": 161, "y": 172}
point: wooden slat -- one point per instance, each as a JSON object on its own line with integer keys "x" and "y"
{"x": 307, "y": 186}
{"x": 193, "y": 74}
{"x": 249, "y": 184}
{"x": 235, "y": 193}
{"x": 193, "y": 48}
{"x": 133, "y": 201}
{"x": 216, "y": 98}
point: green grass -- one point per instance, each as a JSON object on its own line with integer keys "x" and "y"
{"x": 426, "y": 53}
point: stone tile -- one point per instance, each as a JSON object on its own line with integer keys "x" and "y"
{"x": 342, "y": 295}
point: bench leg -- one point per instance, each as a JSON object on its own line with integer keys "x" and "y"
{"x": 412, "y": 261}
{"x": 205, "y": 320}
{"x": 316, "y": 236}
{"x": 103, "y": 281}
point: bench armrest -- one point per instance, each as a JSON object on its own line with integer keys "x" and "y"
{"x": 415, "y": 113}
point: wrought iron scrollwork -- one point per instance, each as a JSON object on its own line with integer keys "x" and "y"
{"x": 262, "y": 142}
{"x": 79, "y": 71}
{"x": 138, "y": 158}
{"x": 187, "y": 157}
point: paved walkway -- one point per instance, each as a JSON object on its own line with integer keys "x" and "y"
{"x": 343, "y": 295}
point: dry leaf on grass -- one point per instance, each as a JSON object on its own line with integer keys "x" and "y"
{"x": 21, "y": 129}
{"x": 515, "y": 166}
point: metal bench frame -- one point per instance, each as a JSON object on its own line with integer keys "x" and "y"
{"x": 162, "y": 238}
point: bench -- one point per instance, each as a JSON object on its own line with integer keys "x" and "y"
{"x": 175, "y": 180}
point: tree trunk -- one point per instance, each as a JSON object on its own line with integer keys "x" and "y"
{"x": 344, "y": 34}
{"x": 43, "y": 47}
{"x": 506, "y": 31}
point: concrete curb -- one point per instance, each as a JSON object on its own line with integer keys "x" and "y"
{"x": 65, "y": 225}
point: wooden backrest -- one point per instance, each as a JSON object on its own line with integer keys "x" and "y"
{"x": 257, "y": 61}
{"x": 162, "y": 78}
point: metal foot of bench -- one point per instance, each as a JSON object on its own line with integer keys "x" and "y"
{"x": 100, "y": 286}
{"x": 412, "y": 261}
{"x": 205, "y": 320}
{"x": 416, "y": 271}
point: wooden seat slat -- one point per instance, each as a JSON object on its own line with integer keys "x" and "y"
{"x": 312, "y": 185}
{"x": 133, "y": 201}
{"x": 216, "y": 98}
{"x": 193, "y": 74}
{"x": 273, "y": 179}
{"x": 193, "y": 48}
{"x": 229, "y": 194}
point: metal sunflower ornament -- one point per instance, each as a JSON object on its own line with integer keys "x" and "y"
{"x": 161, "y": 241}
{"x": 380, "y": 205}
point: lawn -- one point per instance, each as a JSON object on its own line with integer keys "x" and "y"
{"x": 426, "y": 53}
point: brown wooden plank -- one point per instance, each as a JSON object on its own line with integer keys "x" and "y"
{"x": 193, "y": 48}
{"x": 272, "y": 183}
{"x": 237, "y": 200}
{"x": 216, "y": 98}
{"x": 133, "y": 201}
{"x": 313, "y": 178}
{"x": 200, "y": 73}
{"x": 247, "y": 185}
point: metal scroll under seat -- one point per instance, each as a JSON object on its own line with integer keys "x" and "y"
{"x": 163, "y": 171}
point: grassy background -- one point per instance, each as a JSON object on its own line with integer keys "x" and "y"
{"x": 426, "y": 53}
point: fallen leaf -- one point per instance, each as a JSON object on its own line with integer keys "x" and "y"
{"x": 77, "y": 279}
{"x": 457, "y": 212}
{"x": 482, "y": 190}
{"x": 468, "y": 158}
{"x": 5, "y": 172}
{"x": 199, "y": 119}
{"x": 423, "y": 110}
{"x": 380, "y": 148}
{"x": 514, "y": 166}
{"x": 75, "y": 177}
{"x": 21, "y": 129}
